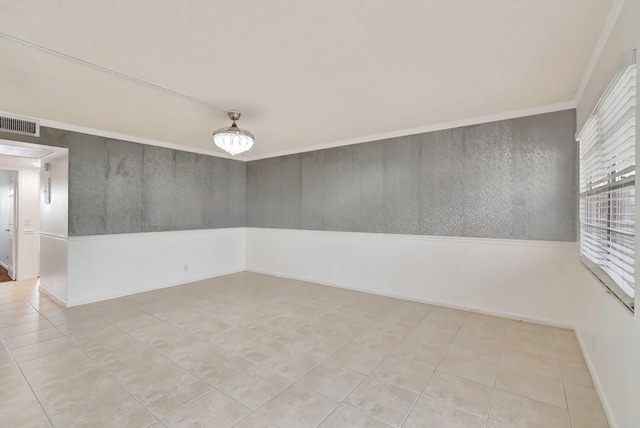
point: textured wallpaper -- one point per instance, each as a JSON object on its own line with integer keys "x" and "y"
{"x": 511, "y": 179}
{"x": 123, "y": 187}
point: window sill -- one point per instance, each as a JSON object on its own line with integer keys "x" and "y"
{"x": 610, "y": 285}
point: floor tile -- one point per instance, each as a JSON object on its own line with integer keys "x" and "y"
{"x": 76, "y": 314}
{"x": 432, "y": 337}
{"x": 568, "y": 346}
{"x": 382, "y": 400}
{"x": 168, "y": 395}
{"x": 135, "y": 375}
{"x": 485, "y": 328}
{"x": 233, "y": 337}
{"x": 321, "y": 345}
{"x": 576, "y": 374}
{"x": 345, "y": 416}
{"x": 531, "y": 337}
{"x": 469, "y": 367}
{"x": 528, "y": 361}
{"x": 332, "y": 381}
{"x": 471, "y": 345}
{"x": 25, "y": 318}
{"x": 124, "y": 413}
{"x": 254, "y": 420}
{"x": 257, "y": 349}
{"x": 41, "y": 349}
{"x": 292, "y": 349}
{"x": 584, "y": 401}
{"x": 71, "y": 405}
{"x": 463, "y": 394}
{"x": 428, "y": 413}
{"x": 15, "y": 392}
{"x": 214, "y": 409}
{"x": 33, "y": 337}
{"x": 513, "y": 410}
{"x": 532, "y": 385}
{"x": 255, "y": 387}
{"x": 425, "y": 355}
{"x": 291, "y": 363}
{"x": 402, "y": 373}
{"x": 188, "y": 350}
{"x": 30, "y": 417}
{"x": 221, "y": 367}
{"x": 63, "y": 371}
{"x": 580, "y": 421}
{"x": 29, "y": 327}
{"x": 297, "y": 406}
{"x": 105, "y": 340}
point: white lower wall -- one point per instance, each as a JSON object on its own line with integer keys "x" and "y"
{"x": 609, "y": 335}
{"x": 108, "y": 266}
{"x": 53, "y": 267}
{"x": 528, "y": 280}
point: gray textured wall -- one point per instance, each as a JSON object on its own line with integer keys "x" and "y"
{"x": 122, "y": 187}
{"x": 512, "y": 179}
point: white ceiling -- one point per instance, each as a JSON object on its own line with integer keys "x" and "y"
{"x": 303, "y": 73}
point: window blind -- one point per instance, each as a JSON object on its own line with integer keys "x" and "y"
{"x": 607, "y": 186}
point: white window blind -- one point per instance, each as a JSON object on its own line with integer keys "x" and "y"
{"x": 607, "y": 186}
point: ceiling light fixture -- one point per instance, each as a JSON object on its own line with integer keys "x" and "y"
{"x": 232, "y": 139}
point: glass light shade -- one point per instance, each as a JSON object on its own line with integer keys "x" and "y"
{"x": 233, "y": 140}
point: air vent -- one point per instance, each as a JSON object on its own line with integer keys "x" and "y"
{"x": 19, "y": 125}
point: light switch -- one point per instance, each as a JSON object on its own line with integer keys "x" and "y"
{"x": 27, "y": 222}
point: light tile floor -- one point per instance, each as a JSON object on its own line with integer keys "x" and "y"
{"x": 249, "y": 350}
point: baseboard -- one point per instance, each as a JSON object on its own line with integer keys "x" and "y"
{"x": 449, "y": 305}
{"x": 59, "y": 300}
{"x": 146, "y": 290}
{"x": 596, "y": 382}
{"x": 4, "y": 265}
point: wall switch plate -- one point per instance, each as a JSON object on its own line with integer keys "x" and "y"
{"x": 27, "y": 222}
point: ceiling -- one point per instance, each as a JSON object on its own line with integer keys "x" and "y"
{"x": 303, "y": 73}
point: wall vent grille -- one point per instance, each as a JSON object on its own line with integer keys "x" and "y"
{"x": 19, "y": 125}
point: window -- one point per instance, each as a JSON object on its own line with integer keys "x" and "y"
{"x": 607, "y": 186}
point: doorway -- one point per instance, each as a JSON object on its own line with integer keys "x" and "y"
{"x": 22, "y": 205}
{"x": 8, "y": 210}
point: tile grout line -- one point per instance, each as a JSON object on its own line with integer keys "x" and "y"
{"x": 101, "y": 368}
{"x": 367, "y": 374}
{"x": 564, "y": 383}
{"x": 25, "y": 377}
{"x": 420, "y": 395}
{"x": 495, "y": 383}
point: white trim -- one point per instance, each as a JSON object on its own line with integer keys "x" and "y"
{"x": 453, "y": 239}
{"x": 59, "y": 300}
{"x": 513, "y": 114}
{"x": 4, "y": 265}
{"x": 606, "y": 406}
{"x": 609, "y": 23}
{"x": 119, "y": 236}
{"x": 508, "y": 315}
{"x": 53, "y": 235}
{"x": 117, "y": 136}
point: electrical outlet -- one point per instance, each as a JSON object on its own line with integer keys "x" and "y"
{"x": 27, "y": 222}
